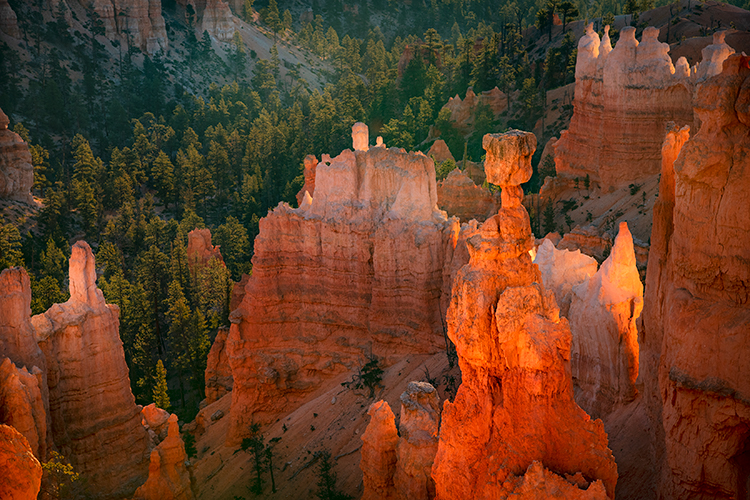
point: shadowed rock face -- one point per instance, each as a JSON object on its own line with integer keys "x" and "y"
{"x": 137, "y": 22}
{"x": 460, "y": 197}
{"x": 697, "y": 313}
{"x": 357, "y": 270}
{"x": 16, "y": 171}
{"x": 623, "y": 98}
{"x": 514, "y": 420}
{"x": 95, "y": 421}
{"x": 20, "y": 471}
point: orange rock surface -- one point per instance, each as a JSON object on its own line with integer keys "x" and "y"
{"x": 219, "y": 379}
{"x": 357, "y": 271}
{"x": 95, "y": 421}
{"x": 379, "y": 455}
{"x": 462, "y": 111}
{"x": 623, "y": 98}
{"x": 460, "y": 197}
{"x": 16, "y": 171}
{"x": 168, "y": 477}
{"x": 199, "y": 248}
{"x": 440, "y": 152}
{"x": 310, "y": 164}
{"x": 515, "y": 405}
{"x": 696, "y": 316}
{"x": 20, "y": 471}
{"x": 21, "y": 358}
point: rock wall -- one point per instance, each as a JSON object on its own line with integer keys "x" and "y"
{"x": 218, "y": 20}
{"x": 219, "y": 379}
{"x": 168, "y": 477}
{"x": 16, "y": 170}
{"x": 696, "y": 315}
{"x": 514, "y": 429}
{"x": 460, "y": 197}
{"x": 623, "y": 98}
{"x": 8, "y": 20}
{"x": 95, "y": 421}
{"x": 200, "y": 250}
{"x": 137, "y": 22}
{"x": 603, "y": 314}
{"x": 20, "y": 471}
{"x": 397, "y": 464}
{"x": 462, "y": 111}
{"x": 357, "y": 271}
{"x": 562, "y": 270}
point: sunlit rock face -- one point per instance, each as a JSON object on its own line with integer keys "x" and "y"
{"x": 137, "y": 22}
{"x": 603, "y": 314}
{"x": 460, "y": 197}
{"x": 697, "y": 305}
{"x": 562, "y": 270}
{"x": 23, "y": 384}
{"x": 16, "y": 171}
{"x": 623, "y": 98}
{"x": 94, "y": 419}
{"x": 357, "y": 270}
{"x": 20, "y": 471}
{"x": 168, "y": 477}
{"x": 397, "y": 464}
{"x": 514, "y": 430}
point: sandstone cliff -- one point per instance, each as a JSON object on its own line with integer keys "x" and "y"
{"x": 23, "y": 401}
{"x": 460, "y": 197}
{"x": 16, "y": 171}
{"x": 168, "y": 477}
{"x": 20, "y": 471}
{"x": 219, "y": 379}
{"x": 95, "y": 421}
{"x": 357, "y": 271}
{"x": 218, "y": 20}
{"x": 513, "y": 429}
{"x": 200, "y": 250}
{"x": 623, "y": 98}
{"x": 462, "y": 111}
{"x": 397, "y": 464}
{"x": 136, "y": 22}
{"x": 696, "y": 315}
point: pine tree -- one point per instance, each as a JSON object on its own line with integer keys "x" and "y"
{"x": 271, "y": 17}
{"x": 160, "y": 394}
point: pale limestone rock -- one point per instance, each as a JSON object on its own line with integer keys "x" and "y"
{"x": 603, "y": 315}
{"x": 562, "y": 270}
{"x": 714, "y": 56}
{"x": 360, "y": 137}
{"x": 136, "y": 22}
{"x": 218, "y": 20}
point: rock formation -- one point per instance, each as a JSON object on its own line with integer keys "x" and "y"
{"x": 462, "y": 111}
{"x": 155, "y": 420}
{"x": 24, "y": 403}
{"x": 460, "y": 197}
{"x": 514, "y": 413}
{"x": 310, "y": 164}
{"x": 696, "y": 315}
{"x": 8, "y": 20}
{"x": 357, "y": 271}
{"x": 399, "y": 468}
{"x": 168, "y": 477}
{"x": 136, "y": 22}
{"x": 218, "y": 20}
{"x": 95, "y": 421}
{"x": 623, "y": 98}
{"x": 16, "y": 171}
{"x": 440, "y": 152}
{"x": 603, "y": 314}
{"x": 219, "y": 379}
{"x": 562, "y": 270}
{"x": 199, "y": 248}
{"x": 20, "y": 471}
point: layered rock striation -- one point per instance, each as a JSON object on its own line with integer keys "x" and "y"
{"x": 16, "y": 170}
{"x": 623, "y": 98}
{"x": 514, "y": 429}
{"x": 95, "y": 421}
{"x": 397, "y": 464}
{"x": 696, "y": 322}
{"x": 460, "y": 197}
{"x": 20, "y": 471}
{"x": 168, "y": 476}
{"x": 137, "y": 22}
{"x": 356, "y": 271}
